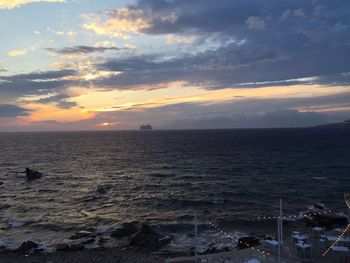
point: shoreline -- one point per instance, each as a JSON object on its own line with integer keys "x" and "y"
{"x": 97, "y": 255}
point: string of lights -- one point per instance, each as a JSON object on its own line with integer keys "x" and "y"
{"x": 211, "y": 223}
{"x": 295, "y": 216}
{"x": 341, "y": 235}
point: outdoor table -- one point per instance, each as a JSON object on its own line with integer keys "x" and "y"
{"x": 342, "y": 254}
{"x": 299, "y": 237}
{"x": 316, "y": 231}
{"x": 304, "y": 248}
{"x": 342, "y": 240}
{"x": 272, "y": 244}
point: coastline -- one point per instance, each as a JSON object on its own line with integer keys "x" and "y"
{"x": 98, "y": 255}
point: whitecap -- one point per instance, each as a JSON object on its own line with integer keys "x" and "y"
{"x": 15, "y": 223}
{"x": 9, "y": 245}
{"x": 103, "y": 229}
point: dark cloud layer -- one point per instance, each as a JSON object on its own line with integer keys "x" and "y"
{"x": 259, "y": 41}
{"x": 35, "y": 82}
{"x": 77, "y": 50}
{"x": 11, "y": 111}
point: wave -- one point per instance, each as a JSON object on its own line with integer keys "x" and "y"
{"x": 15, "y": 223}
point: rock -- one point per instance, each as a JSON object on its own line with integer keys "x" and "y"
{"x": 127, "y": 229}
{"x": 81, "y": 234}
{"x": 101, "y": 190}
{"x": 165, "y": 240}
{"x": 66, "y": 247}
{"x": 88, "y": 241}
{"x": 101, "y": 241}
{"x": 327, "y": 221}
{"x": 27, "y": 246}
{"x": 33, "y": 175}
{"x": 319, "y": 206}
{"x": 4, "y": 206}
{"x": 62, "y": 247}
{"x": 1, "y": 183}
{"x": 146, "y": 238}
{"x": 245, "y": 242}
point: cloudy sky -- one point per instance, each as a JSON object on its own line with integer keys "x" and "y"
{"x": 116, "y": 64}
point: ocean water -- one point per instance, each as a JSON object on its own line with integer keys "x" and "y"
{"x": 165, "y": 177}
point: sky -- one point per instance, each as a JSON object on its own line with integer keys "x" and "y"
{"x": 176, "y": 64}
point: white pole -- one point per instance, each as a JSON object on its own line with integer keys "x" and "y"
{"x": 278, "y": 239}
{"x": 281, "y": 216}
{"x": 195, "y": 236}
{"x": 279, "y": 234}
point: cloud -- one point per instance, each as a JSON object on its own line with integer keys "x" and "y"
{"x": 283, "y": 118}
{"x": 60, "y": 99}
{"x": 303, "y": 42}
{"x": 83, "y": 50}
{"x": 255, "y": 23}
{"x": 36, "y": 82}
{"x": 12, "y": 111}
{"x": 17, "y": 52}
{"x": 9, "y": 4}
{"x": 61, "y": 33}
{"x": 117, "y": 23}
{"x": 232, "y": 66}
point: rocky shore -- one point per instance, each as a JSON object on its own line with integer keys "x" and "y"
{"x": 137, "y": 243}
{"x": 98, "y": 255}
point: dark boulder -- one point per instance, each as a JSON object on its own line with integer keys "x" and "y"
{"x": 88, "y": 241}
{"x": 101, "y": 190}
{"x": 127, "y": 229}
{"x": 245, "y": 242}
{"x": 165, "y": 240}
{"x": 33, "y": 175}
{"x": 66, "y": 247}
{"x": 4, "y": 206}
{"x": 327, "y": 221}
{"x": 146, "y": 238}
{"x": 27, "y": 246}
{"x": 101, "y": 241}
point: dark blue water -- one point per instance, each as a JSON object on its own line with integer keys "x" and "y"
{"x": 164, "y": 177}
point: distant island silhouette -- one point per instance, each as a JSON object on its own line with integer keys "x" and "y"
{"x": 344, "y": 124}
{"x": 146, "y": 127}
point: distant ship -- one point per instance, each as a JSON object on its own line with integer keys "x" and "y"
{"x": 146, "y": 127}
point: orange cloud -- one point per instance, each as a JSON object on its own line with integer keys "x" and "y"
{"x": 120, "y": 23}
{"x": 47, "y": 112}
{"x": 9, "y": 4}
{"x": 17, "y": 52}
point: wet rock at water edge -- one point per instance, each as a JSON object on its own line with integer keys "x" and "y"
{"x": 101, "y": 190}
{"x": 327, "y": 221}
{"x": 66, "y": 247}
{"x": 32, "y": 174}
{"x": 146, "y": 238}
{"x": 165, "y": 240}
{"x": 27, "y": 247}
{"x": 88, "y": 241}
{"x": 4, "y": 206}
{"x": 127, "y": 229}
{"x": 101, "y": 241}
{"x": 81, "y": 234}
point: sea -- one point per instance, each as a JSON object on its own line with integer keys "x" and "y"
{"x": 165, "y": 178}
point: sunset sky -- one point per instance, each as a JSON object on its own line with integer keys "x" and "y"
{"x": 102, "y": 65}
